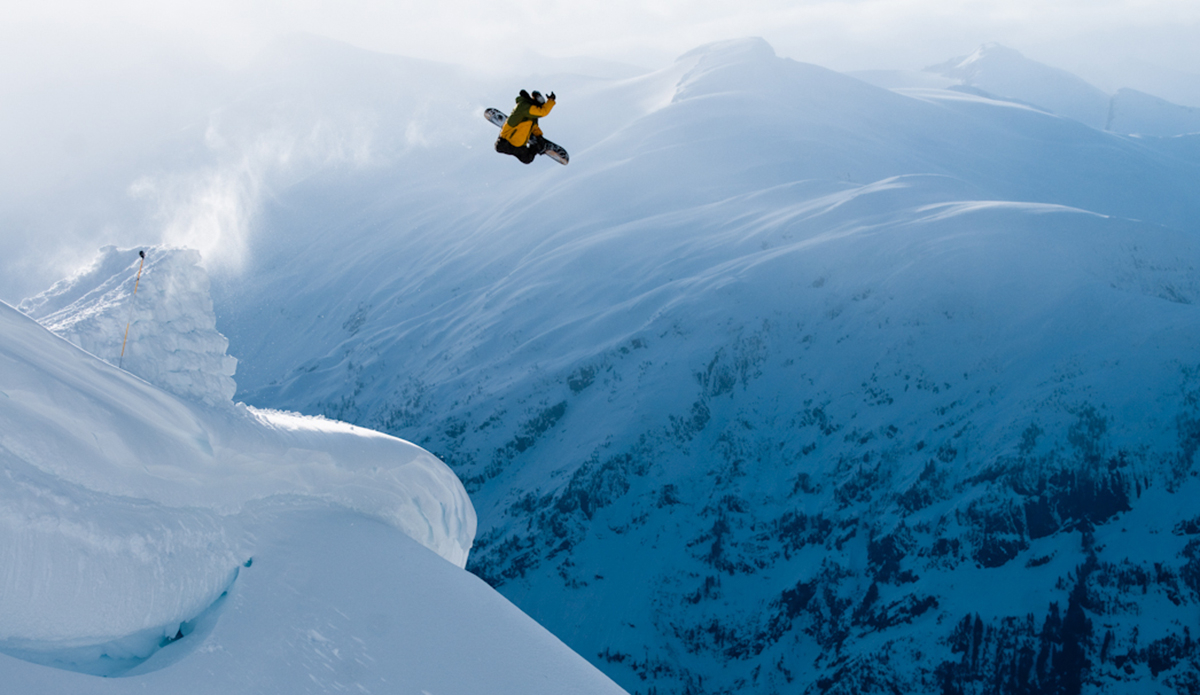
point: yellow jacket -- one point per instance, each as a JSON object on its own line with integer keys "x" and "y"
{"x": 523, "y": 121}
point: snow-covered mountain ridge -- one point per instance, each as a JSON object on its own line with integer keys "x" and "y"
{"x": 788, "y": 383}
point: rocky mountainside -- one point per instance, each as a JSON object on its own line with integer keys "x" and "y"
{"x": 788, "y": 383}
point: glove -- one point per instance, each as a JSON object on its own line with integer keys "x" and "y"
{"x": 550, "y": 96}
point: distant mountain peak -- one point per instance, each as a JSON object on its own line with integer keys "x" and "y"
{"x": 991, "y": 56}
{"x": 1007, "y": 74}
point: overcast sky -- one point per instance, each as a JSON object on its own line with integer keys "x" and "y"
{"x": 1088, "y": 36}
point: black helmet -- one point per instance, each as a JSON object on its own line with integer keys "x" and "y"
{"x": 537, "y": 98}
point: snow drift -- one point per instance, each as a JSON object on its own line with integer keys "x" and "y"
{"x": 124, "y": 510}
{"x": 334, "y": 602}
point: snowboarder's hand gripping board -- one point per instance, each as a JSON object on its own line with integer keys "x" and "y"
{"x": 550, "y": 149}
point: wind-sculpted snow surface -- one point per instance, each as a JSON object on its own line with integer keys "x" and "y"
{"x": 789, "y": 383}
{"x": 128, "y": 513}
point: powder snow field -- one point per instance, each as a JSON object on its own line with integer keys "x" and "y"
{"x": 192, "y": 547}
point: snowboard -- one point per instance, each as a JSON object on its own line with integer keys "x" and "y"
{"x": 552, "y": 150}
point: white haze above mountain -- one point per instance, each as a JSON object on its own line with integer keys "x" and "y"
{"x": 91, "y": 91}
{"x": 123, "y": 136}
{"x": 1104, "y": 35}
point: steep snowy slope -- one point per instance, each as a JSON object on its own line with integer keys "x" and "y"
{"x": 788, "y": 383}
{"x": 197, "y": 548}
{"x": 334, "y": 602}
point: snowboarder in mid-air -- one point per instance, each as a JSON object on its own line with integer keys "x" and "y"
{"x": 520, "y": 135}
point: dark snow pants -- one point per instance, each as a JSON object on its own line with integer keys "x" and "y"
{"x": 525, "y": 154}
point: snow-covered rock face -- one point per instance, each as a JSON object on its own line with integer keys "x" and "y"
{"x": 165, "y": 333}
{"x": 787, "y": 383}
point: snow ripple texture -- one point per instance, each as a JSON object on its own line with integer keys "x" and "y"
{"x": 172, "y": 332}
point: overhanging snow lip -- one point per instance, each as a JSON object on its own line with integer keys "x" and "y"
{"x": 140, "y": 652}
